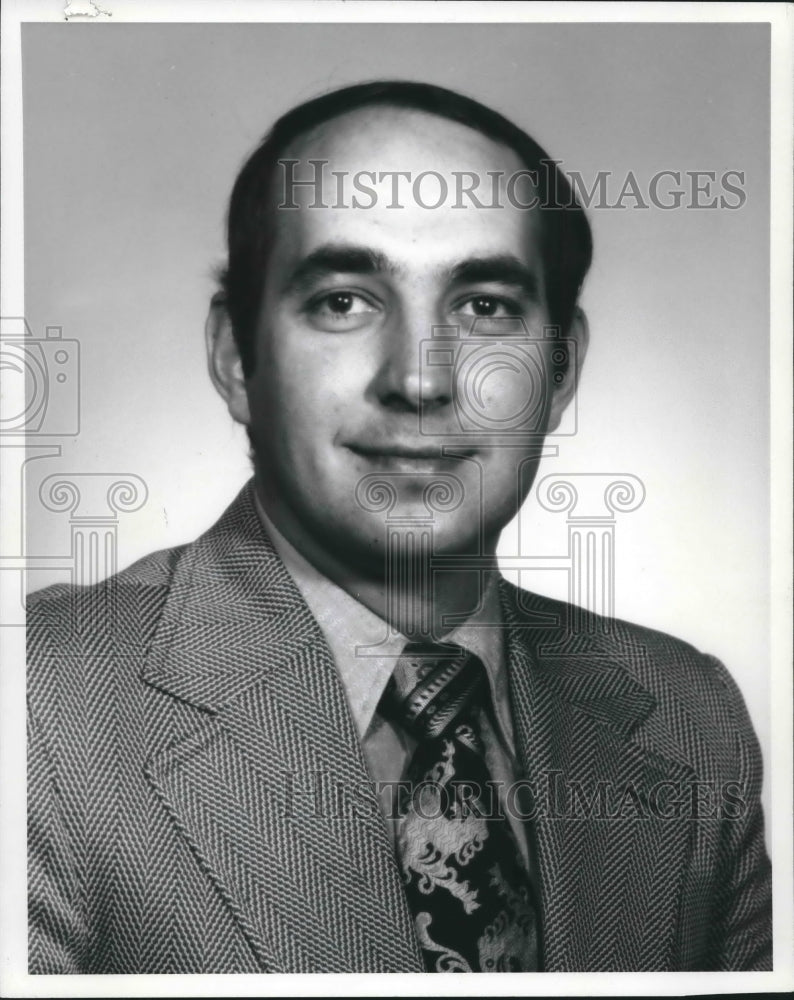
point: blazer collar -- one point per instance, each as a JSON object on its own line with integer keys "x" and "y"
{"x": 587, "y": 727}
{"x": 271, "y": 789}
{"x": 592, "y": 665}
{"x": 232, "y": 614}
{"x": 231, "y": 599}
{"x": 314, "y": 892}
{"x": 573, "y": 657}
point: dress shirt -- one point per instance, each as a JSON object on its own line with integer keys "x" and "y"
{"x": 365, "y": 650}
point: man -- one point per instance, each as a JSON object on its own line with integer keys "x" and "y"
{"x": 327, "y": 736}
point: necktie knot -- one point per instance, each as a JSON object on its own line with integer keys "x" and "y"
{"x": 433, "y": 686}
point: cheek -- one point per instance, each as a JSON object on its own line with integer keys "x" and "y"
{"x": 502, "y": 386}
{"x": 502, "y": 392}
{"x": 302, "y": 391}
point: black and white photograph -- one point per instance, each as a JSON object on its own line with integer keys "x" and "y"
{"x": 396, "y": 457}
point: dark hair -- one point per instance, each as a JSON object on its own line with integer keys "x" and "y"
{"x": 566, "y": 238}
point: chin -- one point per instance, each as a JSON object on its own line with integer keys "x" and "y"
{"x": 432, "y": 536}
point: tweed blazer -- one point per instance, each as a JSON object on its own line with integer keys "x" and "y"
{"x": 199, "y": 802}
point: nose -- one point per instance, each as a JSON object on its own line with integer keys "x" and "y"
{"x": 409, "y": 377}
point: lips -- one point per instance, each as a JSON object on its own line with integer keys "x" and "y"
{"x": 398, "y": 450}
{"x": 406, "y": 458}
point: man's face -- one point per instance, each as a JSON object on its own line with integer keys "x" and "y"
{"x": 347, "y": 416}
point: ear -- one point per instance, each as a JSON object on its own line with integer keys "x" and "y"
{"x": 223, "y": 360}
{"x": 564, "y": 391}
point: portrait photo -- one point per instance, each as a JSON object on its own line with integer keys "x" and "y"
{"x": 394, "y": 536}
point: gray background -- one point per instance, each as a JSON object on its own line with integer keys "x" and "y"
{"x": 133, "y": 136}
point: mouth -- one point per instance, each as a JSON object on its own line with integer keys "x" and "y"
{"x": 407, "y": 457}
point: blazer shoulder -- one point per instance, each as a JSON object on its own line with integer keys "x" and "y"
{"x": 118, "y": 612}
{"x": 604, "y": 635}
{"x": 153, "y": 570}
{"x": 674, "y": 670}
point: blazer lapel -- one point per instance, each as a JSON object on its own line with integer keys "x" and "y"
{"x": 592, "y": 745}
{"x": 271, "y": 788}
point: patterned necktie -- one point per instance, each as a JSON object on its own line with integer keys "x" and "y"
{"x": 467, "y": 889}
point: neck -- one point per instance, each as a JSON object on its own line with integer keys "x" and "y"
{"x": 406, "y": 590}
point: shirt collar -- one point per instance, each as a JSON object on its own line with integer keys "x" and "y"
{"x": 365, "y": 648}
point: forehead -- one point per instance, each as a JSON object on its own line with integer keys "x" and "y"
{"x": 386, "y": 171}
{"x": 392, "y": 138}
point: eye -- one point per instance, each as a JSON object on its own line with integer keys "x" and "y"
{"x": 344, "y": 304}
{"x": 340, "y": 310}
{"x": 487, "y": 306}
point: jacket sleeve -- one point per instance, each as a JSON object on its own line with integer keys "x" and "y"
{"x": 742, "y": 913}
{"x": 56, "y": 930}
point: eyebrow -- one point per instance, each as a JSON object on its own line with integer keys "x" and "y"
{"x": 331, "y": 258}
{"x": 503, "y": 268}
{"x": 343, "y": 258}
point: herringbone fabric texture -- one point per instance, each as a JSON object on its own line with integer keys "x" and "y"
{"x": 192, "y": 756}
{"x": 469, "y": 894}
